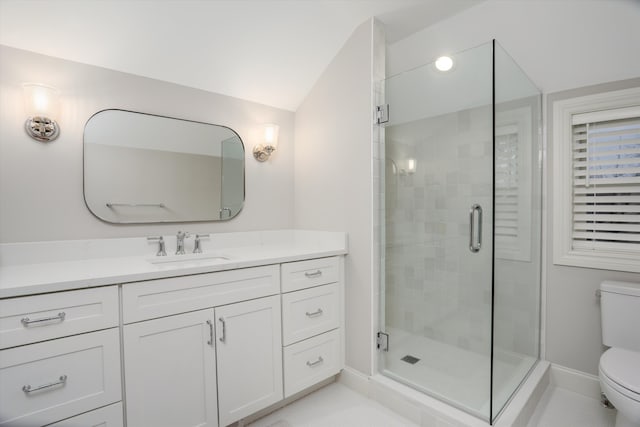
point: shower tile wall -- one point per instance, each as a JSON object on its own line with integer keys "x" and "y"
{"x": 435, "y": 286}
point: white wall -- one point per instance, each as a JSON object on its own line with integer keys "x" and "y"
{"x": 573, "y": 332}
{"x": 561, "y": 45}
{"x": 41, "y": 186}
{"x": 333, "y": 186}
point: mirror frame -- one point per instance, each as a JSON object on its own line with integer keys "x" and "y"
{"x": 84, "y": 188}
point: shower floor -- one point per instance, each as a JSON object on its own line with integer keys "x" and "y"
{"x": 455, "y": 375}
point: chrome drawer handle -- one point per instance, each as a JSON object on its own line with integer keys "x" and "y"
{"x": 26, "y": 321}
{"x": 317, "y": 362}
{"x": 318, "y": 312}
{"x": 316, "y": 273}
{"x": 61, "y": 381}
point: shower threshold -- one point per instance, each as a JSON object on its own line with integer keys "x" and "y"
{"x": 460, "y": 377}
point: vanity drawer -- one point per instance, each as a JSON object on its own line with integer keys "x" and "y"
{"x": 311, "y": 361}
{"x": 109, "y": 416}
{"x": 35, "y": 318}
{"x": 46, "y": 382}
{"x": 164, "y": 297}
{"x": 310, "y": 312}
{"x": 305, "y": 274}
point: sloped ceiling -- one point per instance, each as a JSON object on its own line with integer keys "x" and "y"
{"x": 267, "y": 51}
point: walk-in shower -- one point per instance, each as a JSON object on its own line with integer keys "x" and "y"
{"x": 461, "y": 233}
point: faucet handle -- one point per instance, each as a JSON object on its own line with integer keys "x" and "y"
{"x": 197, "y": 249}
{"x": 160, "y": 240}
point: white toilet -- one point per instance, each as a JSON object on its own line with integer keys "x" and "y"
{"x": 619, "y": 369}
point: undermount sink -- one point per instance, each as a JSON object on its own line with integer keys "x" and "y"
{"x": 188, "y": 260}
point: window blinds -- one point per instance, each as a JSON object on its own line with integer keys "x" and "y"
{"x": 606, "y": 180}
{"x": 506, "y": 186}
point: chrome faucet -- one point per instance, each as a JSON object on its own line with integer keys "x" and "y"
{"x": 180, "y": 242}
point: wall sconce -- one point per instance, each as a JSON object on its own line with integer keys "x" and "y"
{"x": 262, "y": 151}
{"x": 41, "y": 105}
{"x": 410, "y": 168}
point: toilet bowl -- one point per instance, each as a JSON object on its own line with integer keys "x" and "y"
{"x": 619, "y": 374}
{"x": 619, "y": 369}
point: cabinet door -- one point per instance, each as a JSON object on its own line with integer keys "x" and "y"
{"x": 249, "y": 351}
{"x": 170, "y": 371}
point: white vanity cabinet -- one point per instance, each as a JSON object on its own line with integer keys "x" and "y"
{"x": 66, "y": 366}
{"x": 108, "y": 416}
{"x": 170, "y": 371}
{"x": 249, "y": 351}
{"x": 179, "y": 330}
{"x": 170, "y": 346}
{"x": 312, "y": 318}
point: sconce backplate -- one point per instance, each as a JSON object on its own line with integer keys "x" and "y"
{"x": 262, "y": 152}
{"x": 42, "y": 129}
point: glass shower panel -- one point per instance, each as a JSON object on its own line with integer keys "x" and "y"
{"x": 516, "y": 291}
{"x": 438, "y": 188}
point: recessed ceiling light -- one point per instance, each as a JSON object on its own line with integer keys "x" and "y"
{"x": 444, "y": 63}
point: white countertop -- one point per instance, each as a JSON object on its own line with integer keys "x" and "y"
{"x": 40, "y": 267}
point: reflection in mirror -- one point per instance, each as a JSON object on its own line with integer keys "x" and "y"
{"x": 141, "y": 168}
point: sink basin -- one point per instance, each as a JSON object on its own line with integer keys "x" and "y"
{"x": 188, "y": 260}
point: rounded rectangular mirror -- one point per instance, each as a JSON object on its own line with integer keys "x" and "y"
{"x": 141, "y": 168}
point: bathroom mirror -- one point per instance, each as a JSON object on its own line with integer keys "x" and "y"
{"x": 141, "y": 168}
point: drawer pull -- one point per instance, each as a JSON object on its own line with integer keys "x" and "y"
{"x": 316, "y": 273}
{"x": 26, "y": 321}
{"x": 318, "y": 312}
{"x": 316, "y": 363}
{"x": 61, "y": 381}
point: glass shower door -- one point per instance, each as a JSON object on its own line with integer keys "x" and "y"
{"x": 518, "y": 188}
{"x": 438, "y": 195}
{"x": 461, "y": 237}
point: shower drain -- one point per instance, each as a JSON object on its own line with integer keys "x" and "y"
{"x": 410, "y": 359}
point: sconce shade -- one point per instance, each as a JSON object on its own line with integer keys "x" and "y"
{"x": 41, "y": 107}
{"x": 263, "y": 151}
{"x": 411, "y": 165}
{"x": 271, "y": 132}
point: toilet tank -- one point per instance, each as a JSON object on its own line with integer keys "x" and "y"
{"x": 620, "y": 309}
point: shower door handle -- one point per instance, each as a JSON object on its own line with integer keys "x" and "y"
{"x": 475, "y": 216}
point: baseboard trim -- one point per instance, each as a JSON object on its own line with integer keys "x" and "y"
{"x": 576, "y": 381}
{"x": 355, "y": 380}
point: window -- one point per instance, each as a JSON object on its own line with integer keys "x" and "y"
{"x": 513, "y": 191}
{"x": 597, "y": 181}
